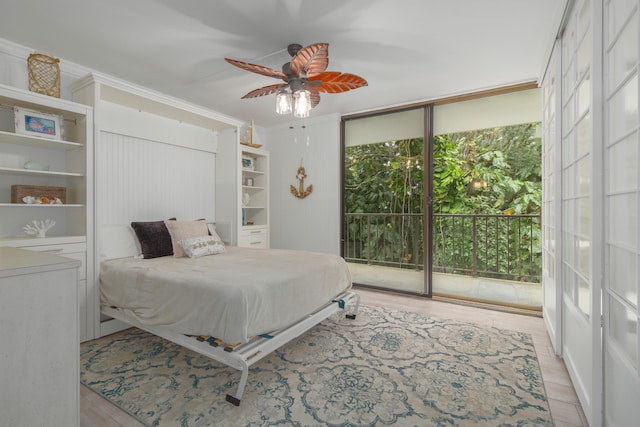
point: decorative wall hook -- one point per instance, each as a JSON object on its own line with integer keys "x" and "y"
{"x": 300, "y": 192}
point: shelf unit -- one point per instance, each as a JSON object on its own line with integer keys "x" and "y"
{"x": 254, "y": 220}
{"x": 232, "y": 213}
{"x": 67, "y": 159}
{"x": 70, "y": 166}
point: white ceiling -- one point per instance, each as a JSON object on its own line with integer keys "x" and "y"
{"x": 407, "y": 50}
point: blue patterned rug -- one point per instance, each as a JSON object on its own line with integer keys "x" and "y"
{"x": 384, "y": 368}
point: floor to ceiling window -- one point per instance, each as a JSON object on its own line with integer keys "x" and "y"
{"x": 445, "y": 199}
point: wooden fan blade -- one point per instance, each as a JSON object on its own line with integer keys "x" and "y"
{"x": 314, "y": 95}
{"x": 310, "y": 61}
{"x": 258, "y": 69}
{"x": 266, "y": 90}
{"x": 337, "y": 82}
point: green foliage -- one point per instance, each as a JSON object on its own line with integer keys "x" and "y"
{"x": 385, "y": 177}
{"x": 489, "y": 171}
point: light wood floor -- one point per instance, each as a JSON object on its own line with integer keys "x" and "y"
{"x": 96, "y": 411}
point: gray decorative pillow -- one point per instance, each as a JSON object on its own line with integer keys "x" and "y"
{"x": 196, "y": 247}
{"x": 154, "y": 238}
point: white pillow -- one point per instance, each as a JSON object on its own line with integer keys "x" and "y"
{"x": 196, "y": 247}
{"x": 214, "y": 233}
{"x": 118, "y": 241}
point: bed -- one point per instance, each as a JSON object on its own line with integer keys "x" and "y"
{"x": 236, "y": 306}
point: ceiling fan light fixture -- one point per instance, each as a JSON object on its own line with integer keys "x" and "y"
{"x": 283, "y": 102}
{"x": 301, "y": 103}
{"x": 305, "y": 77}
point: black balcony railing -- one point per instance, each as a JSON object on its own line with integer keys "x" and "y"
{"x": 497, "y": 246}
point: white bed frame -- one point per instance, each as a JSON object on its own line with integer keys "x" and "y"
{"x": 135, "y": 126}
{"x": 245, "y": 355}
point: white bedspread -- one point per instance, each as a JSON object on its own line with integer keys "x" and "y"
{"x": 232, "y": 296}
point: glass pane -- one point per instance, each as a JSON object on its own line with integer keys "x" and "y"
{"x": 585, "y": 216}
{"x": 584, "y": 297}
{"x": 623, "y": 219}
{"x": 568, "y": 182}
{"x": 584, "y": 18}
{"x": 569, "y": 284}
{"x": 623, "y": 165}
{"x": 623, "y": 329}
{"x": 568, "y": 41}
{"x": 584, "y": 251}
{"x": 584, "y": 135}
{"x": 569, "y": 248}
{"x": 623, "y": 56}
{"x": 551, "y": 217}
{"x": 569, "y": 113}
{"x": 487, "y": 246}
{"x": 568, "y": 150}
{"x": 384, "y": 201}
{"x": 619, "y": 12}
{"x": 584, "y": 95}
{"x": 571, "y": 216}
{"x": 623, "y": 274}
{"x": 623, "y": 110}
{"x": 584, "y": 175}
{"x": 584, "y": 55}
{"x": 549, "y": 108}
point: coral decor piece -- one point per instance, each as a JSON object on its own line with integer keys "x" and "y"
{"x": 39, "y": 228}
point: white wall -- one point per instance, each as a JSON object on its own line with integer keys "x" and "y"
{"x": 13, "y": 68}
{"x": 312, "y": 223}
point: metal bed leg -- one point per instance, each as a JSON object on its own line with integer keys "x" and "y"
{"x": 353, "y": 314}
{"x": 241, "y": 385}
{"x": 244, "y": 372}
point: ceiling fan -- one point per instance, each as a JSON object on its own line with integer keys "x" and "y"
{"x": 304, "y": 77}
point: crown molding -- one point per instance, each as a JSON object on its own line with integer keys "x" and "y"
{"x": 21, "y": 52}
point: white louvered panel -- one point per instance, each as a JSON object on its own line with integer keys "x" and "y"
{"x": 141, "y": 180}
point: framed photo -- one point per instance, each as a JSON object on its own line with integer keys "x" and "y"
{"x": 248, "y": 163}
{"x": 35, "y": 123}
{"x": 249, "y": 182}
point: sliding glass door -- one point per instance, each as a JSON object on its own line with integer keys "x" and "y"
{"x": 487, "y": 188}
{"x": 445, "y": 199}
{"x": 384, "y": 200}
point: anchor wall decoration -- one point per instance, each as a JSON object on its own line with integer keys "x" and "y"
{"x": 300, "y": 192}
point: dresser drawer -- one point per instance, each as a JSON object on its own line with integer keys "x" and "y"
{"x": 253, "y": 238}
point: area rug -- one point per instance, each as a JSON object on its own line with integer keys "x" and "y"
{"x": 385, "y": 367}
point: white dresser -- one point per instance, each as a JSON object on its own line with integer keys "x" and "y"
{"x": 74, "y": 247}
{"x": 40, "y": 350}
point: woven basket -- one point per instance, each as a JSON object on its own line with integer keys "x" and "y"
{"x": 20, "y": 191}
{"x": 44, "y": 74}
